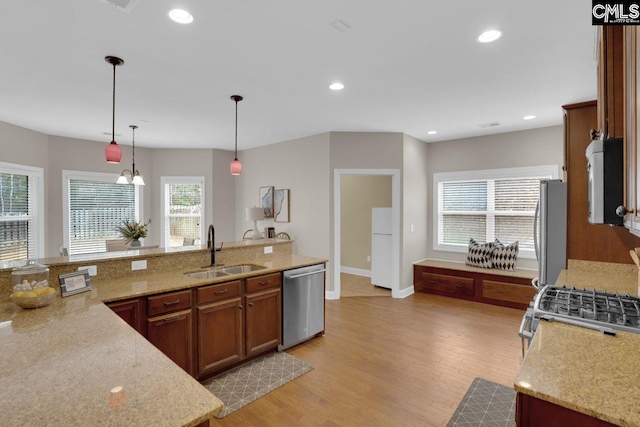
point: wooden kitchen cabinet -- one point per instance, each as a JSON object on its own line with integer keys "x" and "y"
{"x": 172, "y": 334}
{"x": 220, "y": 335}
{"x": 533, "y": 412}
{"x": 263, "y": 321}
{"x": 132, "y": 312}
{"x": 610, "y": 51}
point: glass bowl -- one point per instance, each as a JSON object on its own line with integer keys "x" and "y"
{"x": 33, "y": 302}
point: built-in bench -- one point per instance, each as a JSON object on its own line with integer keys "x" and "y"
{"x": 487, "y": 285}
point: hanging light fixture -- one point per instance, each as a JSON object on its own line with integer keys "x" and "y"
{"x": 236, "y": 166}
{"x": 136, "y": 178}
{"x": 113, "y": 152}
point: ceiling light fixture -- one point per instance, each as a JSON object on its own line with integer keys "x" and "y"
{"x": 136, "y": 178}
{"x": 336, "y": 86}
{"x": 236, "y": 166}
{"x": 113, "y": 152}
{"x": 180, "y": 16}
{"x": 489, "y": 36}
{"x": 432, "y": 132}
{"x": 530, "y": 117}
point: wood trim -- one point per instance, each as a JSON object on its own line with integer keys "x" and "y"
{"x": 579, "y": 105}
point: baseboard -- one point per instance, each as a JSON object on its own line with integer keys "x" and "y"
{"x": 355, "y": 271}
{"x": 402, "y": 293}
{"x": 331, "y": 295}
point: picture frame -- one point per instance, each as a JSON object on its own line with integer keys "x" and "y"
{"x": 74, "y": 283}
{"x": 281, "y": 205}
{"x": 266, "y": 201}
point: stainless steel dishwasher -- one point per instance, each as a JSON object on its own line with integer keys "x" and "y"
{"x": 302, "y": 304}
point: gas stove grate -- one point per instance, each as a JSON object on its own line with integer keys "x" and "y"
{"x": 599, "y": 306}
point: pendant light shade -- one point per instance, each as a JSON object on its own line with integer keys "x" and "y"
{"x": 113, "y": 152}
{"x": 136, "y": 178}
{"x": 236, "y": 166}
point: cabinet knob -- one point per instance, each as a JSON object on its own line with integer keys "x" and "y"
{"x": 266, "y": 282}
{"x": 166, "y": 303}
{"x": 239, "y": 307}
{"x": 459, "y": 285}
{"x": 621, "y": 211}
{"x": 220, "y": 292}
{"x": 433, "y": 282}
{"x": 250, "y": 304}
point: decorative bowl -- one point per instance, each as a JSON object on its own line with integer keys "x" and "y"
{"x": 34, "y": 302}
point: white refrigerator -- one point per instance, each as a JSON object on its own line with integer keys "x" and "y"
{"x": 381, "y": 247}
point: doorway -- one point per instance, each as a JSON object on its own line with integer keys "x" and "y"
{"x": 395, "y": 226}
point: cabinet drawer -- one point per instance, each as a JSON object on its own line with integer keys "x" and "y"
{"x": 451, "y": 284}
{"x": 260, "y": 283}
{"x": 166, "y": 303}
{"x": 218, "y": 292}
{"x": 520, "y": 294}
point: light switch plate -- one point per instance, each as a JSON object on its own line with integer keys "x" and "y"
{"x": 139, "y": 265}
{"x": 93, "y": 269}
{"x": 268, "y": 249}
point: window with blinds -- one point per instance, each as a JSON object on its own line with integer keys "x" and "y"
{"x": 21, "y": 229}
{"x": 184, "y": 210}
{"x": 488, "y": 205}
{"x": 96, "y": 207}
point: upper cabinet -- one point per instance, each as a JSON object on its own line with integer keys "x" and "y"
{"x": 610, "y": 53}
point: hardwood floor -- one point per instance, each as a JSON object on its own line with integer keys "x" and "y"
{"x": 359, "y": 286}
{"x": 392, "y": 362}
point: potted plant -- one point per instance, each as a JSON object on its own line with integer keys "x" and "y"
{"x": 132, "y": 231}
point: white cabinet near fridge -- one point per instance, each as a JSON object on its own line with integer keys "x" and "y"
{"x": 381, "y": 247}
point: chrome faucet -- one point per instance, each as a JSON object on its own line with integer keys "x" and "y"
{"x": 211, "y": 237}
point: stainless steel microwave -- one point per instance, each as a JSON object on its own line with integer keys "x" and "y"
{"x": 605, "y": 169}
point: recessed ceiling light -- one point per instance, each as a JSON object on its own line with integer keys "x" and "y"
{"x": 489, "y": 36}
{"x": 336, "y": 86}
{"x": 432, "y": 132}
{"x": 530, "y": 117}
{"x": 180, "y": 16}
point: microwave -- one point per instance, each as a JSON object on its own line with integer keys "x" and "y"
{"x": 605, "y": 169}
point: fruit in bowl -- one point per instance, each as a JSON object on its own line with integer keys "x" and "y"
{"x": 34, "y": 295}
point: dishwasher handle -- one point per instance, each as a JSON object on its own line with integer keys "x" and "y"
{"x": 305, "y": 274}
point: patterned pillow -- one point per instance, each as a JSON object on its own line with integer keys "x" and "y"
{"x": 505, "y": 257}
{"x": 479, "y": 255}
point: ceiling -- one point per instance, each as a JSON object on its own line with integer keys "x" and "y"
{"x": 407, "y": 65}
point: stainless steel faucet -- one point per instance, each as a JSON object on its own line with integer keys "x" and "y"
{"x": 211, "y": 237}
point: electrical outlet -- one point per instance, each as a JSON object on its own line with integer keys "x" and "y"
{"x": 139, "y": 265}
{"x": 93, "y": 269}
{"x": 368, "y": 258}
{"x": 412, "y": 228}
{"x": 268, "y": 249}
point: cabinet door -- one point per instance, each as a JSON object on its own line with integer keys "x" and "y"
{"x": 172, "y": 335}
{"x": 610, "y": 81}
{"x": 220, "y": 337}
{"x": 130, "y": 312}
{"x": 263, "y": 321}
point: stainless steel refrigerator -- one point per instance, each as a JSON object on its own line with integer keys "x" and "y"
{"x": 550, "y": 232}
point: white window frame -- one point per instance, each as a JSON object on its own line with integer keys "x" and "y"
{"x": 68, "y": 175}
{"x": 36, "y": 193}
{"x": 551, "y": 171}
{"x": 164, "y": 185}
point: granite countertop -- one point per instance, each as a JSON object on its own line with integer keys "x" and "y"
{"x": 582, "y": 369}
{"x": 518, "y": 272}
{"x": 59, "y": 364}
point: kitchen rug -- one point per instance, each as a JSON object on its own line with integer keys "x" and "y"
{"x": 249, "y": 382}
{"x": 486, "y": 404}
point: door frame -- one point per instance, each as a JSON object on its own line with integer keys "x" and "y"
{"x": 395, "y": 227}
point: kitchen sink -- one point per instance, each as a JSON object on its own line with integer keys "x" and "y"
{"x": 208, "y": 274}
{"x": 237, "y": 269}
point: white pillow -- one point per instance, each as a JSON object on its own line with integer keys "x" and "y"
{"x": 505, "y": 257}
{"x": 480, "y": 255}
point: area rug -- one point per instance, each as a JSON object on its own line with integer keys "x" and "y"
{"x": 249, "y": 382}
{"x": 486, "y": 404}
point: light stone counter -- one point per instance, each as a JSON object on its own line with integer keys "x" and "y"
{"x": 582, "y": 369}
{"x": 58, "y": 364}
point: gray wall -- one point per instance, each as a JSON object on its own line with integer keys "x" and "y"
{"x": 534, "y": 147}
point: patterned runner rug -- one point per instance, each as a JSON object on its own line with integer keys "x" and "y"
{"x": 486, "y": 404}
{"x": 249, "y": 382}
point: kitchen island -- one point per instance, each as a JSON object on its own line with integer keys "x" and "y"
{"x": 76, "y": 362}
{"x": 582, "y": 370}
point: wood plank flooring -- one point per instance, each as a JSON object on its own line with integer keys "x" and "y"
{"x": 392, "y": 362}
{"x": 360, "y": 286}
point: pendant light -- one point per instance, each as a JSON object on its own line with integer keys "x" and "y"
{"x": 136, "y": 179}
{"x": 236, "y": 166}
{"x": 113, "y": 152}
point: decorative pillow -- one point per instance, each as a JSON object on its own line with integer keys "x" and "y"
{"x": 479, "y": 255}
{"x": 505, "y": 257}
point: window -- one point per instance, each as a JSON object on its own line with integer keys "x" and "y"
{"x": 487, "y": 205}
{"x": 94, "y": 205}
{"x": 183, "y": 207}
{"x": 21, "y": 218}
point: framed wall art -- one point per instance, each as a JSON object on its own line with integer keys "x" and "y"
{"x": 74, "y": 283}
{"x": 266, "y": 201}
{"x": 281, "y": 205}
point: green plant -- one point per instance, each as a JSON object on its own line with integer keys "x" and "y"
{"x": 132, "y": 230}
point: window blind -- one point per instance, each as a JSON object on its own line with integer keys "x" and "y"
{"x": 183, "y": 212}
{"x": 20, "y": 212}
{"x": 96, "y": 208}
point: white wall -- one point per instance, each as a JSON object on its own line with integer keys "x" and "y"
{"x": 534, "y": 147}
